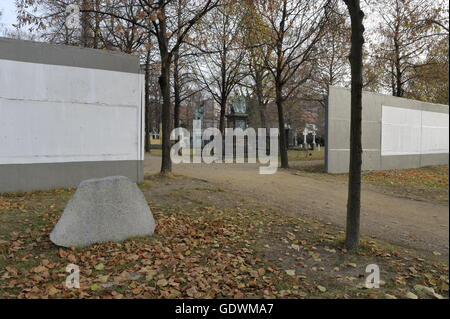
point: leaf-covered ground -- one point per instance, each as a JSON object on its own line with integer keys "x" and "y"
{"x": 208, "y": 244}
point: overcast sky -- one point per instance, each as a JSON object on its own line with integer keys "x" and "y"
{"x": 8, "y": 8}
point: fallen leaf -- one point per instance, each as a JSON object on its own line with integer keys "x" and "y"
{"x": 291, "y": 236}
{"x": 410, "y": 295}
{"x": 427, "y": 290}
{"x": 290, "y": 272}
{"x": 52, "y": 291}
{"x": 162, "y": 282}
{"x": 95, "y": 287}
{"x": 321, "y": 288}
{"x": 99, "y": 266}
{"x": 436, "y": 253}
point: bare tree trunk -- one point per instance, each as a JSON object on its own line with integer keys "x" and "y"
{"x": 164, "y": 83}
{"x": 66, "y": 35}
{"x": 262, "y": 114}
{"x": 176, "y": 88}
{"x": 282, "y": 136}
{"x": 279, "y": 91}
{"x": 392, "y": 78}
{"x": 223, "y": 106}
{"x": 147, "y": 102}
{"x": 176, "y": 74}
{"x": 97, "y": 24}
{"x": 260, "y": 97}
{"x": 354, "y": 181}
{"x": 85, "y": 23}
{"x": 398, "y": 72}
{"x": 223, "y": 88}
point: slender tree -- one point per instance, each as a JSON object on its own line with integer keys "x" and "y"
{"x": 176, "y": 68}
{"x": 406, "y": 32}
{"x": 86, "y": 22}
{"x": 259, "y": 79}
{"x": 354, "y": 180}
{"x": 218, "y": 62}
{"x": 331, "y": 65}
{"x": 147, "y": 99}
{"x": 295, "y": 27}
{"x": 184, "y": 81}
{"x": 166, "y": 51}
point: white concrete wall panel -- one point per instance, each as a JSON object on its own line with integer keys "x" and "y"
{"x": 57, "y": 83}
{"x": 435, "y": 133}
{"x": 410, "y": 131}
{"x": 400, "y": 132}
{"x": 54, "y": 113}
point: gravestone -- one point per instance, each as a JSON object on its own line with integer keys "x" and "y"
{"x": 305, "y": 133}
{"x": 105, "y": 209}
{"x": 314, "y": 139}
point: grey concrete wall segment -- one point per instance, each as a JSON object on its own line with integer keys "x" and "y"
{"x": 433, "y": 159}
{"x": 44, "y": 53}
{"x": 338, "y": 132}
{"x": 28, "y": 177}
{"x": 140, "y": 172}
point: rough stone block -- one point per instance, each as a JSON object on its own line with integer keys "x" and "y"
{"x": 106, "y": 209}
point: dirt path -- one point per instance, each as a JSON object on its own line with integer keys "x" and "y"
{"x": 413, "y": 224}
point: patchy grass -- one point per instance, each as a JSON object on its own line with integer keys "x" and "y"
{"x": 315, "y": 169}
{"x": 420, "y": 183}
{"x": 425, "y": 184}
{"x": 209, "y": 243}
{"x": 156, "y": 152}
{"x": 306, "y": 155}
